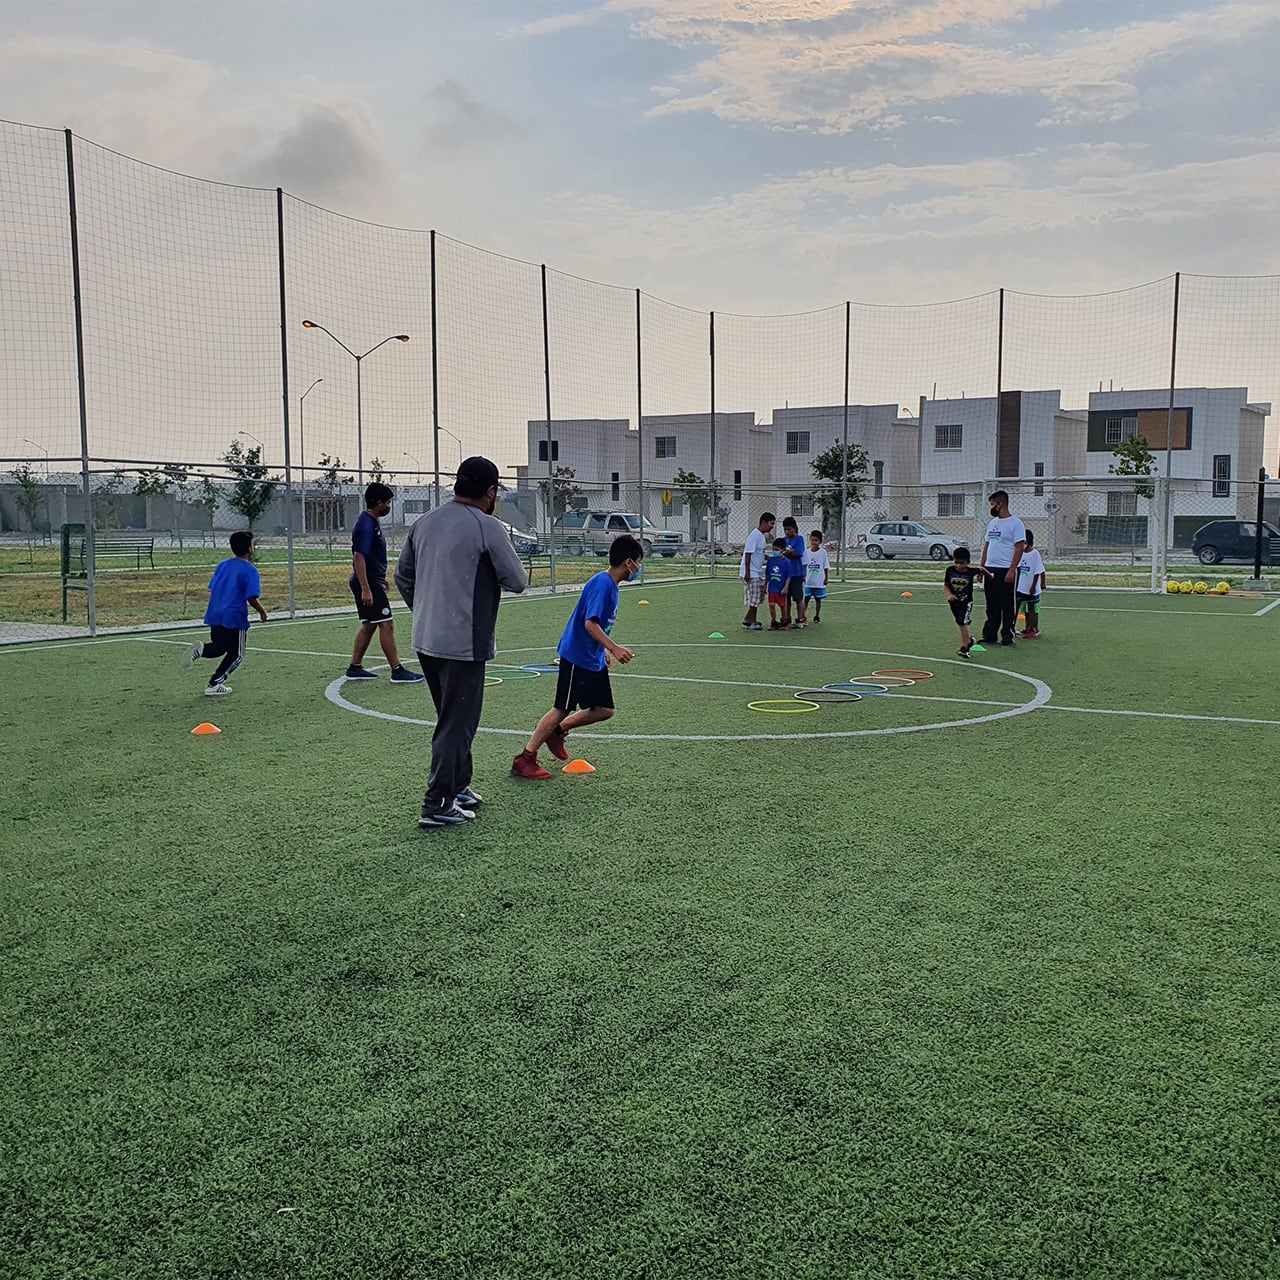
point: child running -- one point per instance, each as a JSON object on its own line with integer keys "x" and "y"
{"x": 958, "y": 582}
{"x": 777, "y": 575}
{"x": 1031, "y": 582}
{"x": 817, "y": 569}
{"x": 235, "y": 586}
{"x": 583, "y": 694}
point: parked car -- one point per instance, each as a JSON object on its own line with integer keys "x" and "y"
{"x": 591, "y": 532}
{"x": 909, "y": 539}
{"x": 525, "y": 543}
{"x": 1232, "y": 540}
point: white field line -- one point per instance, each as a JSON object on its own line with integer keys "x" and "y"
{"x": 1266, "y": 608}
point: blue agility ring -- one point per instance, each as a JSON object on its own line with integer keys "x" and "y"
{"x": 862, "y": 687}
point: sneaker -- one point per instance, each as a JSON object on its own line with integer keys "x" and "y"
{"x": 798, "y": 626}
{"x": 401, "y": 675}
{"x": 963, "y": 652}
{"x": 527, "y": 767}
{"x": 1008, "y": 643}
{"x": 773, "y": 626}
{"x": 1031, "y": 635}
{"x": 192, "y": 655}
{"x": 817, "y": 620}
{"x": 754, "y": 626}
{"x": 361, "y": 673}
{"x": 468, "y": 799}
{"x": 449, "y": 815}
{"x": 217, "y": 690}
{"x": 555, "y": 744}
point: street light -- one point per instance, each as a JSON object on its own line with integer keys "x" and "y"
{"x": 395, "y": 337}
{"x": 415, "y": 462}
{"x": 250, "y": 436}
{"x": 302, "y": 449}
{"x": 456, "y": 441}
{"x": 43, "y": 450}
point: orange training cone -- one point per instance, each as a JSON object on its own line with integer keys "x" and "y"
{"x": 206, "y": 727}
{"x": 579, "y": 766}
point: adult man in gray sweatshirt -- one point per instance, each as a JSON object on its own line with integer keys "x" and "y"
{"x": 454, "y": 564}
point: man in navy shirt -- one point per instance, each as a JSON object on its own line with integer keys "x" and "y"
{"x": 235, "y": 586}
{"x": 583, "y": 694}
{"x": 369, "y": 586}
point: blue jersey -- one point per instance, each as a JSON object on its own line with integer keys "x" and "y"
{"x": 598, "y": 602}
{"x": 795, "y": 567}
{"x": 234, "y": 583}
{"x": 777, "y": 574}
{"x": 367, "y": 539}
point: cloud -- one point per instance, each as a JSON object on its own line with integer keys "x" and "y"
{"x": 459, "y": 119}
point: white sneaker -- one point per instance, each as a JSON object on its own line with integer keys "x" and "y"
{"x": 189, "y": 658}
{"x": 217, "y": 690}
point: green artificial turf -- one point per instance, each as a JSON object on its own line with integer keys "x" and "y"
{"x": 997, "y": 1000}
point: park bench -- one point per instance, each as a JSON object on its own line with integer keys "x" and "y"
{"x": 108, "y": 544}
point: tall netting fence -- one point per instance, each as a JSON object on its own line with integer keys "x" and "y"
{"x": 182, "y": 358}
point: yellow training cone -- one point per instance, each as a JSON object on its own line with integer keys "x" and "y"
{"x": 644, "y": 602}
{"x": 579, "y": 766}
{"x": 206, "y": 727}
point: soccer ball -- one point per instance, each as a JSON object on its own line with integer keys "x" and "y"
{"x": 1224, "y": 587}
{"x": 1186, "y": 588}
{"x": 1171, "y": 587}
{"x": 1201, "y": 588}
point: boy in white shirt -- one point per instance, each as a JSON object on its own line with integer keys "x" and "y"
{"x": 817, "y": 569}
{"x": 1031, "y": 582}
{"x": 752, "y": 570}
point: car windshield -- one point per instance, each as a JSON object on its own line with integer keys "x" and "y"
{"x": 928, "y": 528}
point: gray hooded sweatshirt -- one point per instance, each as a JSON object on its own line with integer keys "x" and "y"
{"x": 453, "y": 565}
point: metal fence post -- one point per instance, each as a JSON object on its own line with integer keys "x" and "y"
{"x": 711, "y": 479}
{"x": 546, "y": 383}
{"x": 284, "y": 393}
{"x": 435, "y": 383}
{"x": 844, "y": 458}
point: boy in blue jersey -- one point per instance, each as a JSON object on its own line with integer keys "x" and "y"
{"x": 583, "y": 694}
{"x": 776, "y": 576}
{"x": 795, "y": 573}
{"x": 235, "y": 586}
{"x": 368, "y": 584}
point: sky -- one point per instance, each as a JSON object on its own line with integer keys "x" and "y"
{"x": 746, "y": 156}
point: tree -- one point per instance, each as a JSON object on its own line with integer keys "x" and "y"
{"x": 377, "y": 471}
{"x": 329, "y": 489}
{"x": 563, "y": 491}
{"x": 106, "y": 499}
{"x": 832, "y": 467}
{"x": 30, "y": 500}
{"x": 254, "y": 489}
{"x": 697, "y": 495}
{"x": 1134, "y": 458}
{"x": 208, "y": 498}
{"x": 169, "y": 482}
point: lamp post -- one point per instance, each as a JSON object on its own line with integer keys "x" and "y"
{"x": 302, "y": 449}
{"x": 395, "y": 337}
{"x": 43, "y": 450}
{"x": 250, "y": 436}
{"x": 416, "y": 463}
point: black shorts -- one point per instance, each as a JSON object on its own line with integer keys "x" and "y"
{"x": 379, "y": 610}
{"x": 795, "y": 588}
{"x": 582, "y": 687}
{"x": 961, "y": 611}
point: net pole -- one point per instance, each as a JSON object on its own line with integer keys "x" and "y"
{"x": 641, "y": 497}
{"x": 711, "y": 486}
{"x": 1160, "y": 553}
{"x": 435, "y": 381}
{"x": 999, "y": 380}
{"x": 1258, "y": 526}
{"x": 284, "y": 395}
{"x": 546, "y": 385}
{"x": 844, "y": 456}
{"x": 80, "y": 384}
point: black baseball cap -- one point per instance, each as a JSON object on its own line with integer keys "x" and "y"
{"x": 476, "y": 476}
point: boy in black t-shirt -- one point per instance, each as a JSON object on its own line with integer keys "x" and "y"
{"x": 958, "y": 582}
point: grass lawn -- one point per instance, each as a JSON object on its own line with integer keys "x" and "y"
{"x": 996, "y": 999}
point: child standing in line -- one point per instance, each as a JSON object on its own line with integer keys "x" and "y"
{"x": 777, "y": 575}
{"x": 1031, "y": 582}
{"x": 235, "y": 586}
{"x": 958, "y": 582}
{"x": 817, "y": 569}
{"x": 795, "y": 569}
{"x": 583, "y": 693}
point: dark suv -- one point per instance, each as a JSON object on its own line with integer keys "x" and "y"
{"x": 1233, "y": 540}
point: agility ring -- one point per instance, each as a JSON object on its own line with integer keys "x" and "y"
{"x": 890, "y": 682}
{"x": 905, "y": 672}
{"x": 490, "y": 681}
{"x": 827, "y": 695}
{"x": 862, "y": 687}
{"x": 782, "y": 706}
{"x": 539, "y": 668}
{"x": 514, "y": 673}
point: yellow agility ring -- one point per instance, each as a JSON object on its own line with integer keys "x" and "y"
{"x": 782, "y": 706}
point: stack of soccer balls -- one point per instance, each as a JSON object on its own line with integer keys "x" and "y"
{"x": 1174, "y": 587}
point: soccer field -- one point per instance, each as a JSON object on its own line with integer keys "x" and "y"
{"x": 975, "y": 977}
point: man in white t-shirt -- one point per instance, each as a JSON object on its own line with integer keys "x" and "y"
{"x": 752, "y": 569}
{"x": 1002, "y": 548}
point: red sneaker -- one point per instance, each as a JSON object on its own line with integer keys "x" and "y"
{"x": 555, "y": 744}
{"x": 527, "y": 767}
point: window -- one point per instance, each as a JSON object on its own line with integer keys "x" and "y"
{"x": 878, "y": 468}
{"x": 737, "y": 486}
{"x": 1121, "y": 429}
{"x": 664, "y": 446}
{"x": 1222, "y": 475}
{"x": 616, "y": 487}
{"x": 948, "y": 436}
{"x": 415, "y": 506}
{"x": 801, "y": 505}
{"x": 1122, "y": 503}
{"x": 555, "y": 451}
{"x": 797, "y": 442}
{"x": 951, "y": 504}
{"x": 1038, "y": 487}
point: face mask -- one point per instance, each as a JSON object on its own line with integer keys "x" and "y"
{"x": 995, "y": 511}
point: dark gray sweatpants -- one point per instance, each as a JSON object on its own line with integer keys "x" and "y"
{"x": 457, "y": 689}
